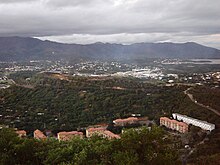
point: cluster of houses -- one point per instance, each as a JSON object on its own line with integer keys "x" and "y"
{"x": 65, "y": 136}
{"x": 181, "y": 123}
{"x": 100, "y": 130}
{"x": 178, "y": 123}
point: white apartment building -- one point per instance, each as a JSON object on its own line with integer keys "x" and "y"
{"x": 199, "y": 123}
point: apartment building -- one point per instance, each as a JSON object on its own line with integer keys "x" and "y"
{"x": 174, "y": 125}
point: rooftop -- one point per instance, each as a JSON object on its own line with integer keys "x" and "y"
{"x": 126, "y": 120}
{"x": 96, "y": 129}
{"x": 112, "y": 135}
{"x": 201, "y": 121}
{"x": 21, "y": 132}
{"x": 70, "y": 133}
{"x": 39, "y": 135}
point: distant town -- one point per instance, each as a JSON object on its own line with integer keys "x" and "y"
{"x": 158, "y": 71}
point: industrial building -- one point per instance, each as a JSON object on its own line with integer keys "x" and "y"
{"x": 189, "y": 120}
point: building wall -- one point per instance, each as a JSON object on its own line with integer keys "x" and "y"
{"x": 174, "y": 125}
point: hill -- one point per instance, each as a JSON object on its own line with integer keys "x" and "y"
{"x": 20, "y": 49}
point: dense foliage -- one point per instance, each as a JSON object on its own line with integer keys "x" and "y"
{"x": 135, "y": 147}
{"x": 207, "y": 96}
{"x": 80, "y": 102}
{"x": 48, "y": 102}
{"x": 56, "y": 102}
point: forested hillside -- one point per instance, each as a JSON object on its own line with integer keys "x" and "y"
{"x": 45, "y": 101}
{"x": 207, "y": 96}
{"x": 57, "y": 102}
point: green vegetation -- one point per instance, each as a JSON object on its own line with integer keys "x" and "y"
{"x": 207, "y": 96}
{"x": 55, "y": 104}
{"x": 209, "y": 152}
{"x": 77, "y": 103}
{"x": 135, "y": 147}
{"x": 44, "y": 101}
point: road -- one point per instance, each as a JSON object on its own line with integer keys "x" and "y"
{"x": 201, "y": 105}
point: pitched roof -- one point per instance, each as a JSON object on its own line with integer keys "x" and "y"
{"x": 21, "y": 132}
{"x": 70, "y": 133}
{"x": 126, "y": 120}
{"x": 96, "y": 129}
{"x": 112, "y": 135}
{"x": 39, "y": 135}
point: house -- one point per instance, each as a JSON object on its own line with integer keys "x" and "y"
{"x": 39, "y": 135}
{"x": 21, "y": 133}
{"x": 174, "y": 124}
{"x": 103, "y": 132}
{"x": 65, "y": 136}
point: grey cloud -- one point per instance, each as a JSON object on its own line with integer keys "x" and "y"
{"x": 74, "y": 3}
{"x": 118, "y": 20}
{"x": 15, "y": 1}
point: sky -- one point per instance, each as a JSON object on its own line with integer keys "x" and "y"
{"x": 113, "y": 21}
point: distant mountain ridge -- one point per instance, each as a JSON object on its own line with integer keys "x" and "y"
{"x": 26, "y": 48}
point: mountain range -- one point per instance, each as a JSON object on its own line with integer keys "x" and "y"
{"x": 26, "y": 48}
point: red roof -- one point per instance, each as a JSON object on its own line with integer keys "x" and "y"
{"x": 70, "y": 133}
{"x": 126, "y": 120}
{"x": 39, "y": 135}
{"x": 103, "y": 130}
{"x": 21, "y": 132}
{"x": 112, "y": 135}
{"x": 96, "y": 129}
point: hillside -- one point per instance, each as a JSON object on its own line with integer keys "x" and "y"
{"x": 81, "y": 101}
{"x": 20, "y": 49}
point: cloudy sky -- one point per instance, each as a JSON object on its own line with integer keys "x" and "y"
{"x": 114, "y": 21}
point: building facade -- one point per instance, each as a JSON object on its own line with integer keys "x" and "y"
{"x": 174, "y": 125}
